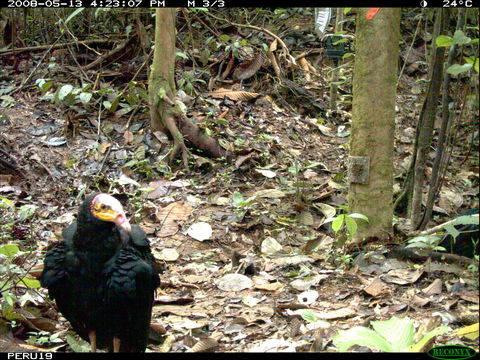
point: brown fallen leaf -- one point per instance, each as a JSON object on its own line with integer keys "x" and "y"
{"x": 169, "y": 217}
{"x": 204, "y": 345}
{"x": 233, "y": 95}
{"x": 435, "y": 288}
{"x": 376, "y": 287}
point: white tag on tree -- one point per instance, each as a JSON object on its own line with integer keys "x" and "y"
{"x": 322, "y": 18}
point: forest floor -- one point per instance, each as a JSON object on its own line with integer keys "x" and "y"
{"x": 248, "y": 264}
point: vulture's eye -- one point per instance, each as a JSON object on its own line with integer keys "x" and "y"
{"x": 103, "y": 207}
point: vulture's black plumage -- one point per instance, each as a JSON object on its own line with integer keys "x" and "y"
{"x": 103, "y": 277}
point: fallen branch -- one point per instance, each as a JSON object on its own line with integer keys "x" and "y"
{"x": 58, "y": 46}
{"x": 109, "y": 54}
{"x": 434, "y": 229}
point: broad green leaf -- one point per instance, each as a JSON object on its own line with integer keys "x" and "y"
{"x": 399, "y": 332}
{"x": 420, "y": 245}
{"x": 85, "y": 97}
{"x": 359, "y": 216}
{"x": 44, "y": 84}
{"x": 459, "y": 38}
{"x": 338, "y": 222}
{"x": 237, "y": 198}
{"x": 443, "y": 41}
{"x": 452, "y": 230}
{"x": 64, "y": 91}
{"x": 31, "y": 283}
{"x": 307, "y": 315}
{"x": 351, "y": 226}
{"x": 362, "y": 336}
{"x": 467, "y": 220}
{"x": 456, "y": 69}
{"x": 472, "y": 60}
{"x": 346, "y": 10}
{"x": 429, "y": 335}
{"x": 182, "y": 55}
{"x": 9, "y": 250}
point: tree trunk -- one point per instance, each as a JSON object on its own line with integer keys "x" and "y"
{"x": 442, "y": 136}
{"x": 161, "y": 84}
{"x": 334, "y": 78}
{"x": 164, "y": 115}
{"x": 374, "y": 93}
{"x": 425, "y": 131}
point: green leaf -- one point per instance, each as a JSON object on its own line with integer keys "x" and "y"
{"x": 26, "y": 211}
{"x": 452, "y": 230}
{"x": 182, "y": 55}
{"x": 64, "y": 91}
{"x": 31, "y": 283}
{"x": 237, "y": 198}
{"x": 4, "y": 202}
{"x": 73, "y": 14}
{"x": 351, "y": 226}
{"x": 44, "y": 84}
{"x": 429, "y": 335}
{"x": 307, "y": 315}
{"x": 85, "y": 97}
{"x": 420, "y": 245}
{"x": 359, "y": 216}
{"x": 114, "y": 105}
{"x": 338, "y": 222}
{"x": 224, "y": 38}
{"x": 443, "y": 41}
{"x": 346, "y": 10}
{"x": 399, "y": 332}
{"x": 467, "y": 220}
{"x": 474, "y": 61}
{"x": 459, "y": 38}
{"x": 9, "y": 250}
{"x": 456, "y": 69}
{"x": 77, "y": 345}
{"x": 362, "y": 336}
{"x": 107, "y": 104}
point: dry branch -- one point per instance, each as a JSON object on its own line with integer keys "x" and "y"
{"x": 58, "y": 46}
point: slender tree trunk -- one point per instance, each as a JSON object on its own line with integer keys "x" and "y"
{"x": 334, "y": 78}
{"x": 440, "y": 154}
{"x": 425, "y": 131}
{"x": 374, "y": 94}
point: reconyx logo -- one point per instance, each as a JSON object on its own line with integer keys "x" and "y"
{"x": 447, "y": 352}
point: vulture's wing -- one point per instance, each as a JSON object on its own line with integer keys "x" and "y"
{"x": 130, "y": 291}
{"x": 56, "y": 277}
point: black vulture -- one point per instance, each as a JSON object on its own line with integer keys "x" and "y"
{"x": 103, "y": 277}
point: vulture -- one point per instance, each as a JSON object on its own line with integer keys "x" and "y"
{"x": 103, "y": 277}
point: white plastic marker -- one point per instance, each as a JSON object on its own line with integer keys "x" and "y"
{"x": 322, "y": 18}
